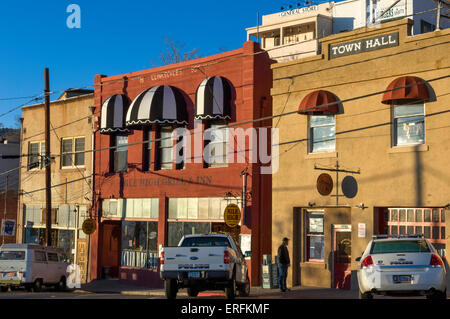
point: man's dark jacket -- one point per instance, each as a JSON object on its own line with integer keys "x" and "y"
{"x": 283, "y": 255}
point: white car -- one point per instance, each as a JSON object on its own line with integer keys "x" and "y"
{"x": 401, "y": 265}
{"x": 31, "y": 266}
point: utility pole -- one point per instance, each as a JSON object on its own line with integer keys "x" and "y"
{"x": 4, "y": 211}
{"x": 48, "y": 191}
{"x": 438, "y": 19}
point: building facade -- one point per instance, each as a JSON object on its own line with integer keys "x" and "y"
{"x": 296, "y": 33}
{"x": 9, "y": 163}
{"x": 353, "y": 14}
{"x": 71, "y": 174}
{"x": 144, "y": 198}
{"x": 368, "y": 148}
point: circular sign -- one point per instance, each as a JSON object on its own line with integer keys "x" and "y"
{"x": 324, "y": 184}
{"x": 89, "y": 226}
{"x": 232, "y": 215}
{"x": 349, "y": 186}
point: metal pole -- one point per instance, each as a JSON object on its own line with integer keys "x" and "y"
{"x": 4, "y": 211}
{"x": 48, "y": 192}
{"x": 257, "y": 27}
{"x": 337, "y": 183}
{"x": 438, "y": 19}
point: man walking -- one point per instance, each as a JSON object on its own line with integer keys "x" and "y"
{"x": 283, "y": 264}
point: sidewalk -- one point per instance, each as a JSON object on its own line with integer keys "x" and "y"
{"x": 116, "y": 287}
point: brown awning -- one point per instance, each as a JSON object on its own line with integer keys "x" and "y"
{"x": 406, "y": 89}
{"x": 312, "y": 103}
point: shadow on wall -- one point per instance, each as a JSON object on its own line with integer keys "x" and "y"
{"x": 343, "y": 24}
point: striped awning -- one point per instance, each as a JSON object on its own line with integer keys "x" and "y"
{"x": 113, "y": 113}
{"x": 213, "y": 99}
{"x": 406, "y": 89}
{"x": 317, "y": 102}
{"x": 162, "y": 104}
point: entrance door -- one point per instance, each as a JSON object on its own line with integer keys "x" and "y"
{"x": 342, "y": 257}
{"x": 110, "y": 256}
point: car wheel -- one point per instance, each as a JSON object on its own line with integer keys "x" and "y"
{"x": 4, "y": 288}
{"x": 230, "y": 290}
{"x": 171, "y": 288}
{"x": 62, "y": 284}
{"x": 192, "y": 292}
{"x": 366, "y": 295}
{"x": 438, "y": 295}
{"x": 244, "y": 290}
{"x": 37, "y": 286}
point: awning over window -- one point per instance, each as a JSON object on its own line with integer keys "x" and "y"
{"x": 213, "y": 99}
{"x": 162, "y": 104}
{"x": 406, "y": 89}
{"x": 113, "y": 113}
{"x": 312, "y": 103}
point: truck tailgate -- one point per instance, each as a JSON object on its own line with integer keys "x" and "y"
{"x": 193, "y": 258}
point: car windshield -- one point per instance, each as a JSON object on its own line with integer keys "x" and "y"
{"x": 12, "y": 255}
{"x": 205, "y": 242}
{"x": 400, "y": 246}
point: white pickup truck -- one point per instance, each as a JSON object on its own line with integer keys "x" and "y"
{"x": 205, "y": 262}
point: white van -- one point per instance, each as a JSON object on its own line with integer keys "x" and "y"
{"x": 31, "y": 266}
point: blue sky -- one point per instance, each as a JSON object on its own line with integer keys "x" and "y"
{"x": 115, "y": 37}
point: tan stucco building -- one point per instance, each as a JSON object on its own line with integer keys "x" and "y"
{"x": 375, "y": 105}
{"x": 71, "y": 173}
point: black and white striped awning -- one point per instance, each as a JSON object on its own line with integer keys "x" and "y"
{"x": 213, "y": 99}
{"x": 162, "y": 104}
{"x": 113, "y": 113}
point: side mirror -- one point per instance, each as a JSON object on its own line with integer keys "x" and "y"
{"x": 248, "y": 254}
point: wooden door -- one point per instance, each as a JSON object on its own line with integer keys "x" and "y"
{"x": 342, "y": 258}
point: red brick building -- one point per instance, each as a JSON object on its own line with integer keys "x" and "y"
{"x": 143, "y": 199}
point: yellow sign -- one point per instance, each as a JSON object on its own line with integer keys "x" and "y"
{"x": 89, "y": 226}
{"x": 232, "y": 215}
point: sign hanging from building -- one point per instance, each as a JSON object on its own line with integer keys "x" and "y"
{"x": 364, "y": 45}
{"x": 89, "y": 226}
{"x": 8, "y": 227}
{"x": 324, "y": 184}
{"x": 232, "y": 215}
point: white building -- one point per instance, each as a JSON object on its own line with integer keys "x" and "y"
{"x": 354, "y": 14}
{"x": 295, "y": 33}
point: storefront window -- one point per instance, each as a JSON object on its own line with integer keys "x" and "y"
{"x": 409, "y": 124}
{"x": 139, "y": 244}
{"x": 321, "y": 133}
{"x": 314, "y": 236}
{"x": 177, "y": 230}
{"x": 422, "y": 221}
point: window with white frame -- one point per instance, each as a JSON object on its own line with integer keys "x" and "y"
{"x": 120, "y": 153}
{"x": 314, "y": 236}
{"x": 165, "y": 148}
{"x": 217, "y": 135}
{"x": 322, "y": 130}
{"x": 408, "y": 124}
{"x": 36, "y": 151}
{"x": 72, "y": 151}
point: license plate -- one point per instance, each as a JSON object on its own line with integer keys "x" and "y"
{"x": 401, "y": 279}
{"x": 11, "y": 274}
{"x": 194, "y": 274}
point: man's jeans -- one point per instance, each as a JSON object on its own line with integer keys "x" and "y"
{"x": 282, "y": 275}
